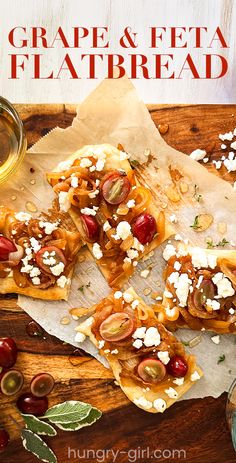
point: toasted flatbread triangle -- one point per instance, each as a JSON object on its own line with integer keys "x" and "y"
{"x": 143, "y": 396}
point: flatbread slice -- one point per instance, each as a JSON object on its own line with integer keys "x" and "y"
{"x": 115, "y": 215}
{"x": 200, "y": 291}
{"x": 37, "y": 256}
{"x": 144, "y": 360}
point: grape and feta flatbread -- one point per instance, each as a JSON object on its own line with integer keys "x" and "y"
{"x": 115, "y": 215}
{"x": 37, "y": 255}
{"x": 148, "y": 362}
{"x": 200, "y": 291}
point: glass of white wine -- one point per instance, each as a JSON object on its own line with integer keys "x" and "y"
{"x": 12, "y": 140}
{"x": 231, "y": 411}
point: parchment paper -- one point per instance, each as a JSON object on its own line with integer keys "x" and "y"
{"x": 114, "y": 114}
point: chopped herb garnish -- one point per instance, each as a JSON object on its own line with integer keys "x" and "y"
{"x": 223, "y": 242}
{"x": 185, "y": 343}
{"x": 195, "y": 224}
{"x": 81, "y": 288}
{"x": 196, "y": 195}
{"x": 220, "y": 243}
{"x": 221, "y": 359}
{"x": 134, "y": 163}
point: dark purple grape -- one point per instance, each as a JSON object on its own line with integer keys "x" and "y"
{"x": 8, "y": 352}
{"x": 28, "y": 403}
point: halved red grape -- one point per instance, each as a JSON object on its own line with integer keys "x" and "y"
{"x": 6, "y": 246}
{"x": 144, "y": 228}
{"x": 4, "y": 439}
{"x": 11, "y": 382}
{"x": 90, "y": 226}
{"x": 28, "y": 403}
{"x": 151, "y": 370}
{"x": 115, "y": 187}
{"x": 58, "y": 257}
{"x": 42, "y": 384}
{"x": 205, "y": 291}
{"x": 117, "y": 327}
{"x": 177, "y": 366}
{"x": 8, "y": 352}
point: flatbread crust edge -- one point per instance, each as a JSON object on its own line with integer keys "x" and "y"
{"x": 133, "y": 391}
{"x": 220, "y": 253}
{"x": 113, "y": 162}
{"x": 8, "y": 285}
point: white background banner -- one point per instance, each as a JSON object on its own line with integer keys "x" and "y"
{"x": 116, "y": 15}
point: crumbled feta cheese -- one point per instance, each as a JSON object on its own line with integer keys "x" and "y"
{"x": 144, "y": 273}
{"x": 64, "y": 165}
{"x": 48, "y": 226}
{"x": 131, "y": 203}
{"x": 233, "y": 145}
{"x": 200, "y": 258}
{"x": 177, "y": 265}
{"x": 101, "y": 344}
{"x": 216, "y": 339}
{"x": 205, "y": 160}
{"x": 36, "y": 281}
{"x": 137, "y": 245}
{"x": 169, "y": 251}
{"x": 93, "y": 194}
{"x": 168, "y": 294}
{"x": 171, "y": 392}
{"x": 152, "y": 337}
{"x": 118, "y": 295}
{"x": 214, "y": 305}
{"x": 200, "y": 280}
{"x": 106, "y": 226}
{"x": 178, "y": 381}
{"x": 74, "y": 182}
{"x": 85, "y": 162}
{"x": 218, "y": 164}
{"x": 231, "y": 311}
{"x": 223, "y": 146}
{"x": 36, "y": 246}
{"x": 114, "y": 351}
{"x": 27, "y": 268}
{"x": 135, "y": 304}
{"x": 23, "y": 216}
{"x": 138, "y": 343}
{"x": 139, "y": 332}
{"x": 107, "y": 351}
{"x": 92, "y": 168}
{"x": 174, "y": 278}
{"x": 35, "y": 272}
{"x": 198, "y": 154}
{"x": 62, "y": 281}
{"x": 194, "y": 376}
{"x": 80, "y": 337}
{"x": 182, "y": 289}
{"x": 159, "y": 405}
{"x": 100, "y": 165}
{"x": 97, "y": 252}
{"x": 128, "y": 297}
{"x": 225, "y": 288}
{"x": 217, "y": 277}
{"x": 57, "y": 269}
{"x": 226, "y": 136}
{"x": 178, "y": 237}
{"x": 163, "y": 356}
{"x": 88, "y": 211}
{"x": 64, "y": 202}
{"x": 144, "y": 403}
{"x": 123, "y": 230}
{"x": 132, "y": 254}
{"x": 173, "y": 218}
{"x": 230, "y": 164}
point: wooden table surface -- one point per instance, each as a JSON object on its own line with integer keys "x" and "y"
{"x": 197, "y": 427}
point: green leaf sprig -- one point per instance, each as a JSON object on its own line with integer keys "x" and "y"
{"x": 71, "y": 415}
{"x": 195, "y": 224}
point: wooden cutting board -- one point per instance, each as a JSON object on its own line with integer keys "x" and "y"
{"x": 197, "y": 427}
